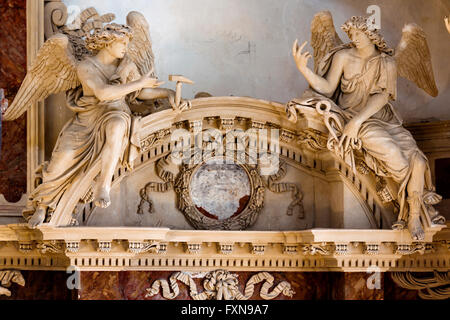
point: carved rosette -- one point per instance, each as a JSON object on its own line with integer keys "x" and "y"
{"x": 199, "y": 220}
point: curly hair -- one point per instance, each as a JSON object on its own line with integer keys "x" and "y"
{"x": 103, "y": 37}
{"x": 360, "y": 23}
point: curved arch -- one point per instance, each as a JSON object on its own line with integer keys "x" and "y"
{"x": 300, "y": 143}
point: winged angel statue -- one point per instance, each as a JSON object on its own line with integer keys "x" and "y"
{"x": 352, "y": 86}
{"x": 104, "y": 67}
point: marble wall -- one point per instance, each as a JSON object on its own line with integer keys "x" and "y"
{"x": 132, "y": 285}
{"x": 13, "y": 155}
{"x": 42, "y": 285}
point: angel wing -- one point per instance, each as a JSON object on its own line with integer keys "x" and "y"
{"x": 413, "y": 59}
{"x": 323, "y": 36}
{"x": 53, "y": 71}
{"x": 140, "y": 47}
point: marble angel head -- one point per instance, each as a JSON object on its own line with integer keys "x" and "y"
{"x": 112, "y": 37}
{"x": 361, "y": 34}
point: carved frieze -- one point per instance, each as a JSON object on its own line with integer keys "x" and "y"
{"x": 193, "y": 248}
{"x": 154, "y": 139}
{"x": 50, "y": 247}
{"x": 226, "y": 248}
{"x": 317, "y": 249}
{"x": 220, "y": 285}
{"x": 104, "y": 246}
{"x": 142, "y": 246}
{"x": 72, "y": 246}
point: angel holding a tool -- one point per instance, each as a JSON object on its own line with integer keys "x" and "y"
{"x": 104, "y": 68}
{"x": 358, "y": 82}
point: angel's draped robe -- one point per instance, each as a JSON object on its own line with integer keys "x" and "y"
{"x": 388, "y": 148}
{"x": 80, "y": 143}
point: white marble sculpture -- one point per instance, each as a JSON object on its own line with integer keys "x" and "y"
{"x": 358, "y": 82}
{"x": 104, "y": 67}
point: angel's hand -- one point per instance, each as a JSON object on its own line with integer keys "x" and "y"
{"x": 350, "y": 134}
{"x": 147, "y": 81}
{"x": 171, "y": 98}
{"x": 447, "y": 24}
{"x": 291, "y": 112}
{"x": 184, "y": 105}
{"x": 301, "y": 59}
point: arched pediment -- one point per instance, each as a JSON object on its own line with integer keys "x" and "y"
{"x": 317, "y": 187}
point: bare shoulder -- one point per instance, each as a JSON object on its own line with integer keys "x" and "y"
{"x": 87, "y": 71}
{"x": 84, "y": 67}
{"x": 343, "y": 55}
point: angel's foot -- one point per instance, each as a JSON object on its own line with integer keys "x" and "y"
{"x": 398, "y": 225}
{"x": 431, "y": 198}
{"x": 37, "y": 218}
{"x": 415, "y": 227}
{"x": 438, "y": 219}
{"x": 102, "y": 199}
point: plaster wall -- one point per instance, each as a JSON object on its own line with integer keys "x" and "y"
{"x": 243, "y": 48}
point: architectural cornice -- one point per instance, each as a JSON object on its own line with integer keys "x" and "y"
{"x": 139, "y": 249}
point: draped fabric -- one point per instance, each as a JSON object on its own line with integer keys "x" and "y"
{"x": 80, "y": 143}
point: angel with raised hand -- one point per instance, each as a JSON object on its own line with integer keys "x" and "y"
{"x": 358, "y": 81}
{"x": 104, "y": 68}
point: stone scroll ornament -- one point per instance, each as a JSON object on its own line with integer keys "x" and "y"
{"x": 352, "y": 87}
{"x": 7, "y": 277}
{"x": 115, "y": 64}
{"x": 220, "y": 285}
{"x": 434, "y": 287}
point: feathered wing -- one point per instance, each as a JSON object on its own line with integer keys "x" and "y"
{"x": 414, "y": 60}
{"x": 53, "y": 71}
{"x": 140, "y": 47}
{"x": 323, "y": 36}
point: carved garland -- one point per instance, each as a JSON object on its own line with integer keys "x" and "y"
{"x": 220, "y": 285}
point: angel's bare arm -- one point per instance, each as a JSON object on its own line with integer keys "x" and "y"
{"x": 105, "y": 92}
{"x": 374, "y": 104}
{"x": 326, "y": 86}
{"x": 154, "y": 93}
